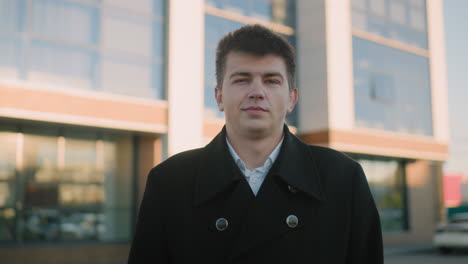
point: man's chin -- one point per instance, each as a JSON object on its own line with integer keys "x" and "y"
{"x": 257, "y": 130}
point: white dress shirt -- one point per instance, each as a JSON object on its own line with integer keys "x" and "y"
{"x": 256, "y": 176}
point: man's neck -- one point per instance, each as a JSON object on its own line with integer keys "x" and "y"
{"x": 254, "y": 151}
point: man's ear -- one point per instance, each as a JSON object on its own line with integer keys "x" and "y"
{"x": 219, "y": 98}
{"x": 292, "y": 99}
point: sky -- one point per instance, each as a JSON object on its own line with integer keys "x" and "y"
{"x": 456, "y": 42}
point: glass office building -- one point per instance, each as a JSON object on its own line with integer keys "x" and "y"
{"x": 94, "y": 93}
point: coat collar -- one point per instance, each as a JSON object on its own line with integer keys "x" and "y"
{"x": 295, "y": 165}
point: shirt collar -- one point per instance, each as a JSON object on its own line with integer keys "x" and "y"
{"x": 295, "y": 166}
{"x": 268, "y": 162}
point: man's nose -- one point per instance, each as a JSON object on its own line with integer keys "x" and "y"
{"x": 257, "y": 91}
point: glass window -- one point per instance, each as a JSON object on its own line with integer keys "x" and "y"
{"x": 158, "y": 39}
{"x": 141, "y": 6}
{"x": 40, "y": 177}
{"x": 61, "y": 65}
{"x": 400, "y": 20}
{"x": 284, "y": 12}
{"x": 128, "y": 78}
{"x": 9, "y": 57}
{"x": 262, "y": 9}
{"x": 391, "y": 88}
{"x": 387, "y": 183}
{"x": 159, "y": 7}
{"x": 238, "y": 6}
{"x": 276, "y": 11}
{"x": 75, "y": 187}
{"x": 11, "y": 14}
{"x": 8, "y": 141}
{"x": 125, "y": 33}
{"x": 64, "y": 20}
{"x": 117, "y": 215}
{"x": 7, "y": 224}
{"x": 215, "y": 29}
{"x": 67, "y": 44}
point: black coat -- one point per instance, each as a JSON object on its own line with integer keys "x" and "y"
{"x": 323, "y": 188}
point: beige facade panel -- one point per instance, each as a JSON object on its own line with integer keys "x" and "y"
{"x": 312, "y": 66}
{"x": 438, "y": 69}
{"x": 379, "y": 143}
{"x": 52, "y": 106}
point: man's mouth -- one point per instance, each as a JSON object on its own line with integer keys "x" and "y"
{"x": 254, "y": 108}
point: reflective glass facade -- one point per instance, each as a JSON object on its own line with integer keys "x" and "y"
{"x": 278, "y": 12}
{"x": 65, "y": 185}
{"x": 401, "y": 20}
{"x": 387, "y": 181}
{"x": 275, "y": 11}
{"x": 111, "y": 46}
{"x": 391, "y": 88}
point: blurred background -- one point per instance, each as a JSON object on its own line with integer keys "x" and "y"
{"x": 94, "y": 93}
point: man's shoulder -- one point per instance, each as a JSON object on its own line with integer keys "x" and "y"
{"x": 328, "y": 155}
{"x": 180, "y": 161}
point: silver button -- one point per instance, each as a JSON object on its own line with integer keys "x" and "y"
{"x": 254, "y": 180}
{"x": 292, "y": 221}
{"x": 221, "y": 224}
{"x": 292, "y": 189}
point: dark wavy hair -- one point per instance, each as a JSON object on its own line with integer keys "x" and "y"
{"x": 257, "y": 40}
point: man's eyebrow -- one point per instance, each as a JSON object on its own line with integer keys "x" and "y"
{"x": 248, "y": 74}
{"x": 235, "y": 74}
{"x": 273, "y": 74}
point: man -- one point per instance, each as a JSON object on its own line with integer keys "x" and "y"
{"x": 256, "y": 193}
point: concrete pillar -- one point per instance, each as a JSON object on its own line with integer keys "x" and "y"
{"x": 185, "y": 74}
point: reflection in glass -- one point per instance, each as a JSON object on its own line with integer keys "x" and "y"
{"x": 80, "y": 159}
{"x": 386, "y": 180}
{"x": 8, "y": 184}
{"x": 8, "y": 141}
{"x": 76, "y": 225}
{"x": 127, "y": 78}
{"x": 9, "y": 57}
{"x": 399, "y": 20}
{"x": 40, "y": 152}
{"x": 81, "y": 195}
{"x": 140, "y": 6}
{"x": 7, "y": 194}
{"x": 7, "y": 224}
{"x": 41, "y": 225}
{"x": 75, "y": 187}
{"x": 262, "y": 9}
{"x": 69, "y": 21}
{"x": 392, "y": 89}
{"x": 123, "y": 32}
{"x": 277, "y": 11}
{"x": 238, "y": 6}
{"x": 61, "y": 65}
{"x": 10, "y": 13}
{"x": 69, "y": 43}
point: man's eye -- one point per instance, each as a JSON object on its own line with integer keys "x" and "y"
{"x": 273, "y": 81}
{"x": 240, "y": 81}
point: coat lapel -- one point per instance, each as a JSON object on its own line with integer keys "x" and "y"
{"x": 292, "y": 187}
{"x": 217, "y": 171}
{"x": 222, "y": 191}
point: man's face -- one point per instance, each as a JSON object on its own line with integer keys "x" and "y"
{"x": 255, "y": 95}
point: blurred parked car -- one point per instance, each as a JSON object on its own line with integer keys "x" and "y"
{"x": 452, "y": 235}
